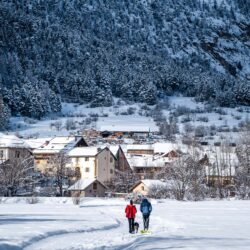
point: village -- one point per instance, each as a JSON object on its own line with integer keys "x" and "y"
{"x": 116, "y": 163}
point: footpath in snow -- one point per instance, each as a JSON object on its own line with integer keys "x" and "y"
{"x": 56, "y": 223}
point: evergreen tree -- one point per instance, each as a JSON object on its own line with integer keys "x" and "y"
{"x": 4, "y": 114}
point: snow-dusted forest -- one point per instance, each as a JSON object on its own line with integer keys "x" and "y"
{"x": 92, "y": 51}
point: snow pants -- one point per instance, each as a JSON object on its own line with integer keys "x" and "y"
{"x": 146, "y": 221}
{"x": 131, "y": 222}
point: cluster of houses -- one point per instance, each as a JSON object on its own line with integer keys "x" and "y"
{"x": 96, "y": 165}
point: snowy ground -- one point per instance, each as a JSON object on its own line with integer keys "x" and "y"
{"x": 109, "y": 118}
{"x": 56, "y": 223}
{"x": 117, "y": 117}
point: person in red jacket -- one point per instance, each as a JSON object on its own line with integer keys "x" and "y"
{"x": 130, "y": 214}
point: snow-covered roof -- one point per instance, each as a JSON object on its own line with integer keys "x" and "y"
{"x": 158, "y": 148}
{"x": 35, "y": 143}
{"x": 147, "y": 161}
{"x": 58, "y": 144}
{"x": 83, "y": 184}
{"x": 84, "y": 151}
{"x": 114, "y": 149}
{"x": 140, "y": 128}
{"x": 140, "y": 147}
{"x": 162, "y": 148}
{"x": 11, "y": 141}
{"x": 149, "y": 183}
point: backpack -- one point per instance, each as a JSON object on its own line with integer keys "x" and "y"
{"x": 145, "y": 209}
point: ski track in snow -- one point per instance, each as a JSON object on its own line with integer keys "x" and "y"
{"x": 108, "y": 237}
{"x": 208, "y": 225}
{"x": 47, "y": 241}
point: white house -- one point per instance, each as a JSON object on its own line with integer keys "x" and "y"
{"x": 12, "y": 148}
{"x": 55, "y": 146}
{"x": 143, "y": 186}
{"x": 93, "y": 162}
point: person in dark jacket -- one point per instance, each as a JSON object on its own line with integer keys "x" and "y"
{"x": 146, "y": 209}
{"x": 130, "y": 214}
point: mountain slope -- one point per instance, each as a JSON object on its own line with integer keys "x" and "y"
{"x": 90, "y": 51}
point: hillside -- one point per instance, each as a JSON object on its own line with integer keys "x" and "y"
{"x": 92, "y": 51}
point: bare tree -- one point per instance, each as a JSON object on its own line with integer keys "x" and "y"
{"x": 187, "y": 177}
{"x": 70, "y": 124}
{"x": 160, "y": 191}
{"x": 16, "y": 175}
{"x": 60, "y": 171}
{"x": 220, "y": 171}
{"x": 58, "y": 125}
{"x": 242, "y": 177}
{"x": 123, "y": 181}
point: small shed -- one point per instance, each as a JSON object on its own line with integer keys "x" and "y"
{"x": 88, "y": 188}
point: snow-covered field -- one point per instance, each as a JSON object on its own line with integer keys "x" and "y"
{"x": 118, "y": 118}
{"x": 55, "y": 223}
{"x": 109, "y": 118}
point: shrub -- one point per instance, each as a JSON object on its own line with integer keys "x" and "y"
{"x": 70, "y": 124}
{"x": 235, "y": 129}
{"x": 188, "y": 128}
{"x": 32, "y": 200}
{"x": 200, "y": 131}
{"x": 237, "y": 117}
{"x": 58, "y": 125}
{"x": 182, "y": 110}
{"x": 186, "y": 119}
{"x": 88, "y": 121}
{"x": 105, "y": 115}
{"x": 76, "y": 200}
{"x": 131, "y": 110}
{"x": 145, "y": 107}
{"x": 240, "y": 109}
{"x": 203, "y": 119}
{"x": 93, "y": 114}
{"x": 220, "y": 111}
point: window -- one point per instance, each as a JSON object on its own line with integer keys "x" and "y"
{"x": 142, "y": 188}
{"x": 87, "y": 159}
{"x": 111, "y": 159}
{"x": 87, "y": 170}
{"x": 17, "y": 154}
{"x": 94, "y": 185}
{"x": 111, "y": 171}
{"x": 1, "y": 154}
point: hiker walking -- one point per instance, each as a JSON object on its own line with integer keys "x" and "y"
{"x": 130, "y": 214}
{"x": 146, "y": 209}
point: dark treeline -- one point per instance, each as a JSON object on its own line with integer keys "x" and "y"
{"x": 89, "y": 51}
